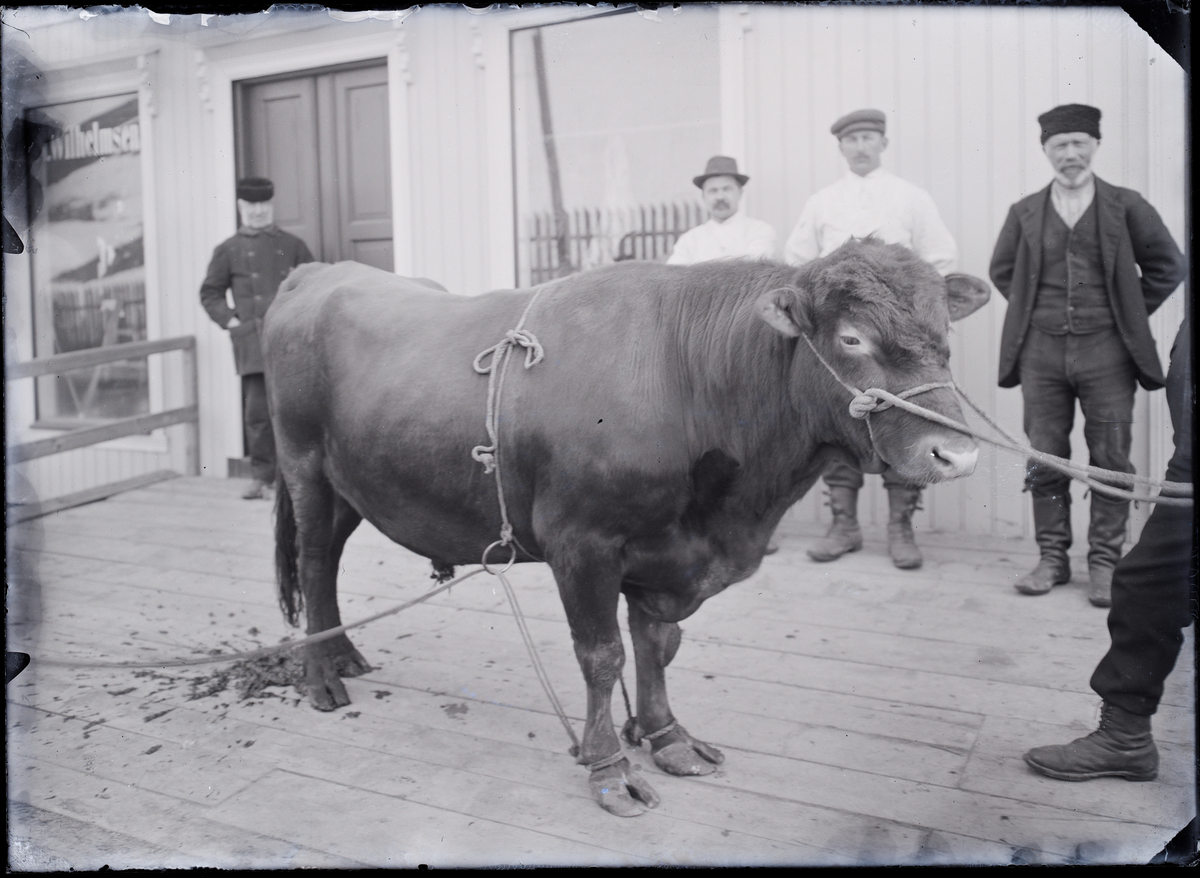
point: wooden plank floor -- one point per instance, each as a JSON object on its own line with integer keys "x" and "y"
{"x": 868, "y": 715}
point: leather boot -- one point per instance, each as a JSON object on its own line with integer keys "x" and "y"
{"x": 1121, "y": 747}
{"x": 902, "y": 502}
{"x": 844, "y": 534}
{"x": 1052, "y": 529}
{"x": 1106, "y": 536}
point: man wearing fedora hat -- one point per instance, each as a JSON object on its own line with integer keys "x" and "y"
{"x": 251, "y": 265}
{"x": 868, "y": 200}
{"x": 729, "y": 233}
{"x": 1082, "y": 264}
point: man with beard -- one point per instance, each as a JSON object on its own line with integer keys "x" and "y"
{"x": 1083, "y": 265}
{"x": 729, "y": 233}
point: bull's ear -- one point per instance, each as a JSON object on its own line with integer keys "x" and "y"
{"x": 965, "y": 295}
{"x": 786, "y": 310}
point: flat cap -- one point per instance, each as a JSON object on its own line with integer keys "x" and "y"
{"x": 860, "y": 120}
{"x": 255, "y": 189}
{"x": 1070, "y": 117}
{"x": 721, "y": 166}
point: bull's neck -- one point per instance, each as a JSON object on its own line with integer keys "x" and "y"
{"x": 740, "y": 382}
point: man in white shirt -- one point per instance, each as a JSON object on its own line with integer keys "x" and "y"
{"x": 869, "y": 201}
{"x": 729, "y": 233}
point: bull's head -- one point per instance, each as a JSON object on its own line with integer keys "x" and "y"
{"x": 877, "y": 316}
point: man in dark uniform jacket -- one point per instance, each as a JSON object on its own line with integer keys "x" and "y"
{"x": 1077, "y": 327}
{"x": 252, "y": 264}
{"x": 1151, "y": 605}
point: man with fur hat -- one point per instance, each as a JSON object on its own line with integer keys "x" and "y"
{"x": 251, "y": 265}
{"x": 729, "y": 233}
{"x": 868, "y": 200}
{"x": 1082, "y": 264}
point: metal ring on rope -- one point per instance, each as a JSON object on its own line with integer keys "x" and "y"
{"x": 511, "y": 561}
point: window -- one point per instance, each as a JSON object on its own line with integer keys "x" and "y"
{"x": 89, "y": 273}
{"x": 612, "y": 117}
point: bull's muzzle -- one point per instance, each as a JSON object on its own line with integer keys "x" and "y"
{"x": 953, "y": 457}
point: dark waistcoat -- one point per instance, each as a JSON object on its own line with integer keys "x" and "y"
{"x": 1071, "y": 295}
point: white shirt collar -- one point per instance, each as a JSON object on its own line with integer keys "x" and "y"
{"x": 875, "y": 175}
{"x": 735, "y": 219}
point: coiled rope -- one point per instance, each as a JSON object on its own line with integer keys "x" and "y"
{"x": 493, "y": 362}
{"x": 875, "y": 399}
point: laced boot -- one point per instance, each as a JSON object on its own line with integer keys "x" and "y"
{"x": 1052, "y": 529}
{"x": 1106, "y": 536}
{"x": 844, "y": 534}
{"x": 902, "y": 502}
{"x": 1121, "y": 747}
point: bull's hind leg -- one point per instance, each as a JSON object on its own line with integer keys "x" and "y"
{"x": 588, "y": 584}
{"x": 673, "y": 749}
{"x": 324, "y": 521}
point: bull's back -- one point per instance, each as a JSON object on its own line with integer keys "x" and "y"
{"x": 370, "y": 377}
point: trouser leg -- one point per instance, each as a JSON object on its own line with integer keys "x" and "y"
{"x": 1049, "y": 416}
{"x": 260, "y": 438}
{"x": 1151, "y": 605}
{"x": 1105, "y": 378}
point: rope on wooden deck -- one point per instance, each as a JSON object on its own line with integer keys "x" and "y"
{"x": 266, "y": 650}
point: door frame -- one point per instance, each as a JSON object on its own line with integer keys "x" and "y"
{"x": 217, "y": 69}
{"x": 223, "y": 72}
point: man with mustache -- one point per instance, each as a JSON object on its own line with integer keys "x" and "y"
{"x": 1083, "y": 264}
{"x": 869, "y": 201}
{"x": 729, "y": 233}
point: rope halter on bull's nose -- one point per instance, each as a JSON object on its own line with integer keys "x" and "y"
{"x": 875, "y": 400}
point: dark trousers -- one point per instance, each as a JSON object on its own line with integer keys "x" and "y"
{"x": 846, "y": 475}
{"x": 1096, "y": 370}
{"x": 1057, "y": 370}
{"x": 260, "y": 438}
{"x": 1151, "y": 605}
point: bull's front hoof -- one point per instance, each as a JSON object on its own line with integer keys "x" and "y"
{"x": 347, "y": 660}
{"x": 324, "y": 685}
{"x": 683, "y": 755}
{"x": 325, "y": 665}
{"x": 621, "y": 790}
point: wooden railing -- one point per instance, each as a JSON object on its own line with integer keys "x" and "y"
{"x": 188, "y": 414}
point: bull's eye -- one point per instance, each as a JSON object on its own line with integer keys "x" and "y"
{"x": 850, "y": 341}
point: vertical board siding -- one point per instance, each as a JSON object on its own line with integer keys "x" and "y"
{"x": 962, "y": 90}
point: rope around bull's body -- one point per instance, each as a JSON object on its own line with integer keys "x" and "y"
{"x": 874, "y": 399}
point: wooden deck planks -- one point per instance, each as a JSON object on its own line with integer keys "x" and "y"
{"x": 869, "y": 715}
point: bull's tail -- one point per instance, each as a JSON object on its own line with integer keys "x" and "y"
{"x": 287, "y": 566}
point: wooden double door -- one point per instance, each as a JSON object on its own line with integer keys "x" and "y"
{"x": 322, "y": 137}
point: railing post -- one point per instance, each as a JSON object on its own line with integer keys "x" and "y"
{"x": 191, "y": 396}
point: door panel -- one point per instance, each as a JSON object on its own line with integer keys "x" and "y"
{"x": 364, "y": 169}
{"x": 281, "y": 143}
{"x": 323, "y": 139}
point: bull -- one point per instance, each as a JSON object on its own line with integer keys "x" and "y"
{"x": 678, "y": 413}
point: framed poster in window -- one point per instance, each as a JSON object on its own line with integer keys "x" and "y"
{"x": 89, "y": 269}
